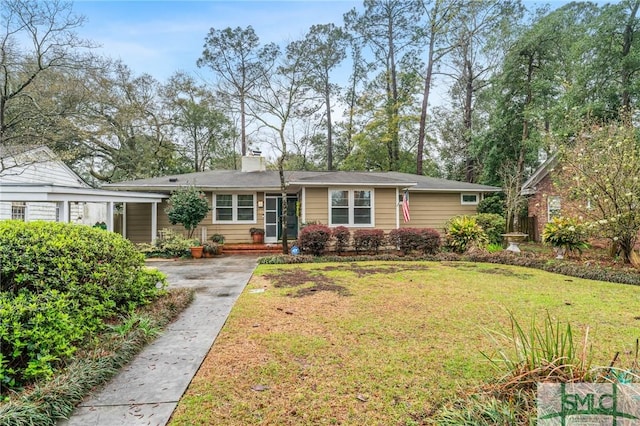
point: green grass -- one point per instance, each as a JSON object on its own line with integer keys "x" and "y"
{"x": 406, "y": 339}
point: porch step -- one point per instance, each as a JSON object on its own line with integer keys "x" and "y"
{"x": 252, "y": 248}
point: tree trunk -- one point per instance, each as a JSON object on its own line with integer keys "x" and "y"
{"x": 327, "y": 100}
{"x": 423, "y": 111}
{"x": 243, "y": 132}
{"x": 626, "y": 73}
{"x": 468, "y": 121}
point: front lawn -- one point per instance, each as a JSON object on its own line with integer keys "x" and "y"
{"x": 384, "y": 342}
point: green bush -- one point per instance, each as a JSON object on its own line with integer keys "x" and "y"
{"x": 65, "y": 280}
{"x": 36, "y": 332}
{"x": 314, "y": 238}
{"x": 493, "y": 225}
{"x": 170, "y": 244}
{"x": 494, "y": 204}
{"x": 368, "y": 239}
{"x": 566, "y": 233}
{"x": 463, "y": 233}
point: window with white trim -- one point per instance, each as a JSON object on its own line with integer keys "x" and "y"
{"x": 19, "y": 210}
{"x": 351, "y": 207}
{"x": 232, "y": 208}
{"x": 554, "y": 206}
{"x": 469, "y": 199}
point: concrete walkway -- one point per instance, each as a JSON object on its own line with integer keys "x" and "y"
{"x": 148, "y": 389}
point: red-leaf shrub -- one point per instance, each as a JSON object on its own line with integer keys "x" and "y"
{"x": 430, "y": 243}
{"x": 314, "y": 238}
{"x": 342, "y": 236}
{"x": 368, "y": 239}
{"x": 426, "y": 240}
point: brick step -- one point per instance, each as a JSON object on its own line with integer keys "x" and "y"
{"x": 252, "y": 248}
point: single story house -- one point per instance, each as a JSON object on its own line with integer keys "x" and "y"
{"x": 251, "y": 197}
{"x": 36, "y": 185}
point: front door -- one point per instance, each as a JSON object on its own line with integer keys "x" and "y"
{"x": 272, "y": 214}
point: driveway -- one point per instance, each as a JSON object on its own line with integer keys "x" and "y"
{"x": 148, "y": 389}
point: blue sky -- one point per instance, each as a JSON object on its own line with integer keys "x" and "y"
{"x": 161, "y": 37}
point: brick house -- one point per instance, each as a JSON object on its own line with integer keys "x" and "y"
{"x": 546, "y": 198}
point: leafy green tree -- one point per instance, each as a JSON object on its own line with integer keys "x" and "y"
{"x": 325, "y": 46}
{"x": 187, "y": 207}
{"x": 200, "y": 128}
{"x": 238, "y": 61}
{"x": 125, "y": 130}
{"x": 389, "y": 29}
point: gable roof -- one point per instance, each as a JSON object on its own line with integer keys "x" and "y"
{"x": 220, "y": 180}
{"x": 19, "y": 164}
{"x": 530, "y": 185}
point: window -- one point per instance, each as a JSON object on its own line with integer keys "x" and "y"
{"x": 234, "y": 208}
{"x": 469, "y": 198}
{"x": 19, "y": 210}
{"x": 553, "y": 207}
{"x": 351, "y": 207}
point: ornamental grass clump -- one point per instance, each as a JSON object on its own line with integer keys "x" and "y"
{"x": 566, "y": 234}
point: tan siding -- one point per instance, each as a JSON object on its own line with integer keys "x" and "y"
{"x": 317, "y": 205}
{"x": 233, "y": 233}
{"x": 139, "y": 222}
{"x": 386, "y": 205}
{"x": 429, "y": 210}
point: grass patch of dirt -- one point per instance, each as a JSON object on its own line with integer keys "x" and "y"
{"x": 407, "y": 339}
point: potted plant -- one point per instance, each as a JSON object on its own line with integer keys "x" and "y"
{"x": 218, "y": 239}
{"x": 188, "y": 207}
{"x": 257, "y": 234}
{"x": 211, "y": 249}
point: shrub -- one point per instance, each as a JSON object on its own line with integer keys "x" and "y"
{"x": 493, "y": 225}
{"x": 37, "y": 332}
{"x": 494, "y": 204}
{"x": 463, "y": 233}
{"x": 170, "y": 244}
{"x": 425, "y": 240}
{"x": 430, "y": 241}
{"x": 86, "y": 274}
{"x": 566, "y": 233}
{"x": 314, "y": 238}
{"x": 342, "y": 236}
{"x": 188, "y": 207}
{"x": 368, "y": 239}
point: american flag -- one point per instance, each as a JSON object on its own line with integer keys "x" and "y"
{"x": 405, "y": 207}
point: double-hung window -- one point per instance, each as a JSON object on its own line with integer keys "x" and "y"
{"x": 19, "y": 210}
{"x": 351, "y": 207}
{"x": 554, "y": 205}
{"x": 234, "y": 208}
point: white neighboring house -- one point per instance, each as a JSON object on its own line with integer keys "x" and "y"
{"x": 36, "y": 185}
{"x": 39, "y": 165}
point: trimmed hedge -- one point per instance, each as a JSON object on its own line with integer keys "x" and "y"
{"x": 368, "y": 239}
{"x": 314, "y": 239}
{"x": 425, "y": 240}
{"x": 59, "y": 283}
{"x": 342, "y": 236}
